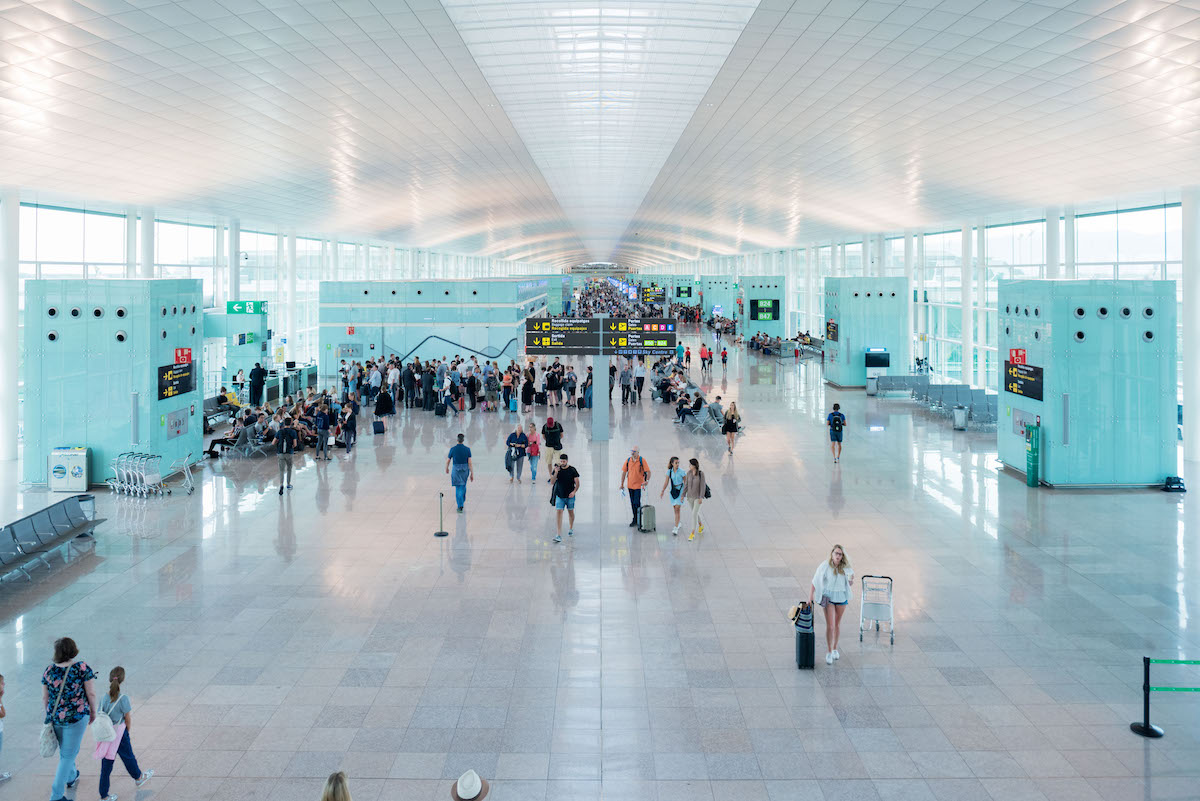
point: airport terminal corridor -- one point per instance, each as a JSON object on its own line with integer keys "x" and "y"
{"x": 269, "y": 641}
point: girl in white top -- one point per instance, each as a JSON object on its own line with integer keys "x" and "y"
{"x": 831, "y": 585}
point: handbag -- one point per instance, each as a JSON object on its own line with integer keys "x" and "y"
{"x": 707, "y": 490}
{"x": 102, "y": 727}
{"x": 47, "y": 742}
{"x": 553, "y": 492}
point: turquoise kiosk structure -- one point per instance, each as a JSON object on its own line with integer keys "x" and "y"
{"x": 865, "y": 316}
{"x": 114, "y": 366}
{"x": 765, "y": 304}
{"x": 361, "y": 320}
{"x": 1091, "y": 364}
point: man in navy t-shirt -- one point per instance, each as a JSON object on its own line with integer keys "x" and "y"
{"x": 461, "y": 470}
{"x": 837, "y": 423}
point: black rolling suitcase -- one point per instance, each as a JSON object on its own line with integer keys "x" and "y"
{"x": 805, "y": 639}
{"x": 439, "y": 409}
{"x": 539, "y": 398}
{"x": 377, "y": 426}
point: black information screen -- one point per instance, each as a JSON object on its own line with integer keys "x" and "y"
{"x": 764, "y": 310}
{"x": 175, "y": 379}
{"x": 831, "y": 330}
{"x": 683, "y": 291}
{"x": 654, "y": 294}
{"x": 1023, "y": 379}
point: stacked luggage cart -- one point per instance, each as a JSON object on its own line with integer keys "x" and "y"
{"x": 141, "y": 474}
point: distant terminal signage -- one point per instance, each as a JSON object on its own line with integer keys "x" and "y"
{"x": 764, "y": 310}
{"x": 831, "y": 330}
{"x": 654, "y": 294}
{"x": 245, "y": 307}
{"x": 175, "y": 379}
{"x": 1023, "y": 379}
{"x": 683, "y": 291}
{"x": 562, "y": 335}
{"x": 614, "y": 336}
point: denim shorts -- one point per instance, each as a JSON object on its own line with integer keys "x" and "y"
{"x": 835, "y": 436}
{"x": 563, "y": 503}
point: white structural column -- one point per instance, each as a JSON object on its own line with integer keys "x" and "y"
{"x": 1190, "y": 320}
{"x": 289, "y": 267}
{"x": 907, "y": 355}
{"x": 1069, "y": 242}
{"x": 234, "y": 242}
{"x": 835, "y": 259}
{"x": 146, "y": 248}
{"x": 868, "y": 262}
{"x": 812, "y": 264}
{"x": 968, "y": 307}
{"x": 1052, "y": 242}
{"x": 220, "y": 266}
{"x": 981, "y": 289}
{"x": 10, "y": 285}
{"x": 922, "y": 314}
{"x": 131, "y": 242}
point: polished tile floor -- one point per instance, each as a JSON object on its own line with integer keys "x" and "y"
{"x": 271, "y": 641}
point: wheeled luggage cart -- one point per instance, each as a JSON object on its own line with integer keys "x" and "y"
{"x": 183, "y": 465}
{"x": 875, "y": 606}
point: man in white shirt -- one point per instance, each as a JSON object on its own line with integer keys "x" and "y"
{"x": 393, "y": 378}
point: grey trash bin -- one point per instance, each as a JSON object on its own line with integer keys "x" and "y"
{"x": 872, "y": 385}
{"x": 960, "y": 418}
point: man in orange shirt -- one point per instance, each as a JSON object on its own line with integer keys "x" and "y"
{"x": 635, "y": 472}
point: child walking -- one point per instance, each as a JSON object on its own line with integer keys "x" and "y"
{"x": 116, "y": 705}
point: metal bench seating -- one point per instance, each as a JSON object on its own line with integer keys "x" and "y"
{"x": 28, "y": 541}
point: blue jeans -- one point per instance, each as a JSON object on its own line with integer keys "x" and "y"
{"x": 460, "y": 495}
{"x": 125, "y": 752}
{"x": 533, "y": 460}
{"x": 70, "y": 738}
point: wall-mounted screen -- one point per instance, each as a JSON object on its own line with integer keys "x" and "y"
{"x": 878, "y": 359}
{"x": 683, "y": 291}
{"x": 764, "y": 310}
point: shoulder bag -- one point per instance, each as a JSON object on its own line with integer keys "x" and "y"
{"x": 707, "y": 489}
{"x": 102, "y": 727}
{"x": 47, "y": 742}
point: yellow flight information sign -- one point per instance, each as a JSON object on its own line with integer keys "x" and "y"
{"x": 175, "y": 379}
{"x": 613, "y": 336}
{"x": 562, "y": 335}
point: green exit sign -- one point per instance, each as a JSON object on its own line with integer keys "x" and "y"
{"x": 245, "y": 307}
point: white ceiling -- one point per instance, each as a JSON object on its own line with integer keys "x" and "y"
{"x": 508, "y": 129}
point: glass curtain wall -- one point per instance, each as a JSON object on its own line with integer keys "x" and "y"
{"x": 1132, "y": 243}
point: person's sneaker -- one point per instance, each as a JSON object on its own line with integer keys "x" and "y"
{"x": 112, "y": 797}
{"x": 675, "y": 531}
{"x": 74, "y": 781}
{"x": 558, "y": 537}
{"x": 147, "y": 775}
{"x": 281, "y": 490}
{"x": 701, "y": 529}
{"x": 570, "y": 532}
{"x": 691, "y": 536}
{"x": 829, "y": 659}
{"x": 836, "y": 655}
{"x": 633, "y": 522}
{"x": 289, "y": 486}
{"x": 460, "y": 510}
{"x": 5, "y": 776}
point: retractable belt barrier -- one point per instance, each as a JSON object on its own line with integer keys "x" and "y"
{"x": 1144, "y": 727}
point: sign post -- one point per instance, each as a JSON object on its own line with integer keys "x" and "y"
{"x": 600, "y": 386}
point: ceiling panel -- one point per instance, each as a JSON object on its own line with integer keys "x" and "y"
{"x": 352, "y": 118}
{"x": 835, "y": 118}
{"x": 599, "y": 91}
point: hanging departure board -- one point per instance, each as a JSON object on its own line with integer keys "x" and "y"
{"x": 562, "y": 336}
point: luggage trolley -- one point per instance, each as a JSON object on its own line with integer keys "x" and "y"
{"x": 183, "y": 465}
{"x": 875, "y": 606}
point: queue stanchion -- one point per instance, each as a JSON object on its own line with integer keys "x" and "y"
{"x": 441, "y": 532}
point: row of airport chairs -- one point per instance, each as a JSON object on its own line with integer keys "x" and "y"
{"x": 982, "y": 406}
